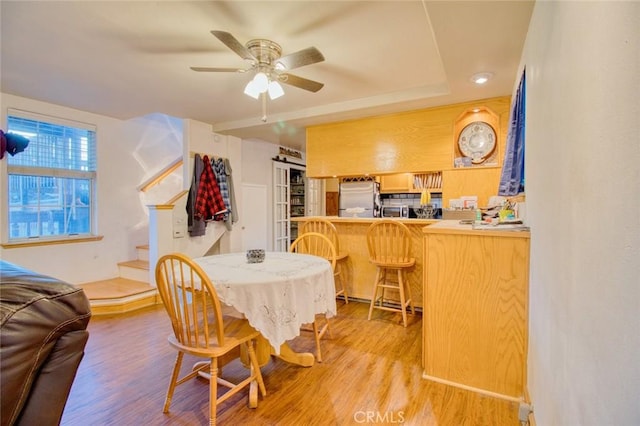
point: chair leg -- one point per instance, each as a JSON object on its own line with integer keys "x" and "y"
{"x": 375, "y": 292}
{"x": 402, "y": 299}
{"x": 382, "y": 281}
{"x": 316, "y": 335}
{"x": 344, "y": 289}
{"x": 326, "y": 327}
{"x": 343, "y": 285}
{"x": 413, "y": 310}
{"x": 213, "y": 391}
{"x": 172, "y": 383}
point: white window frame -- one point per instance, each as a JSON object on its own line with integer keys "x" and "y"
{"x": 8, "y": 170}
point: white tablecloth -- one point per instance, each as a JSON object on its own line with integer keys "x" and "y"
{"x": 278, "y": 295}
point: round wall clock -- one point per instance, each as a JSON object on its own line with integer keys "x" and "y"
{"x": 477, "y": 141}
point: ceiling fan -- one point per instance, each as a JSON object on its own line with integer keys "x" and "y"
{"x": 270, "y": 67}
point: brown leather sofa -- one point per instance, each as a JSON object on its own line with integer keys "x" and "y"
{"x": 43, "y": 333}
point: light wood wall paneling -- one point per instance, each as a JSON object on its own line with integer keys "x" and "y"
{"x": 476, "y": 310}
{"x": 482, "y": 182}
{"x": 414, "y": 141}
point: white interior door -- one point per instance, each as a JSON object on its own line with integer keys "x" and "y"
{"x": 253, "y": 217}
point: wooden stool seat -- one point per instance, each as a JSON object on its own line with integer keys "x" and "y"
{"x": 389, "y": 245}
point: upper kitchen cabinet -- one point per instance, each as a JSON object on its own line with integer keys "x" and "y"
{"x": 399, "y": 182}
{"x": 411, "y": 182}
{"x": 409, "y": 142}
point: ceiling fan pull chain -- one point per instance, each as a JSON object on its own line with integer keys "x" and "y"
{"x": 264, "y": 107}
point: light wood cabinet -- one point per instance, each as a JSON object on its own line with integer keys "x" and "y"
{"x": 401, "y": 182}
{"x": 398, "y": 145}
{"x": 407, "y": 142}
{"x": 475, "y": 308}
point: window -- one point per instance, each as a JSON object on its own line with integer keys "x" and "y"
{"x": 51, "y": 183}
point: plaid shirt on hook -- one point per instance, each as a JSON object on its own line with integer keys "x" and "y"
{"x": 209, "y": 201}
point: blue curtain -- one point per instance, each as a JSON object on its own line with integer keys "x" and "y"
{"x": 512, "y": 179}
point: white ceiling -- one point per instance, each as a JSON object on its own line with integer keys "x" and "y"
{"x": 126, "y": 59}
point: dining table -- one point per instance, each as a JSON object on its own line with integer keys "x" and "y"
{"x": 277, "y": 296}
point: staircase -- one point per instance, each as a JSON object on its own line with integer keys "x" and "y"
{"x": 131, "y": 290}
{"x": 128, "y": 292}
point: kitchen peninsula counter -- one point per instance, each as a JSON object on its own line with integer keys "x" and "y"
{"x": 359, "y": 273}
{"x": 368, "y": 220}
{"x": 475, "y": 307}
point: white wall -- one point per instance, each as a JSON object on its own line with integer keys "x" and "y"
{"x": 129, "y": 152}
{"x": 199, "y": 138}
{"x": 583, "y": 205}
{"x": 121, "y": 213}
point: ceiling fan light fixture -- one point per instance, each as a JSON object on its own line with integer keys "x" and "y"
{"x": 251, "y": 90}
{"x": 275, "y": 90}
{"x": 261, "y": 82}
{"x": 268, "y": 64}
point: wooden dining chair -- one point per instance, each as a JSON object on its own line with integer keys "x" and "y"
{"x": 389, "y": 246}
{"x": 316, "y": 244}
{"x": 199, "y": 329}
{"x": 328, "y": 229}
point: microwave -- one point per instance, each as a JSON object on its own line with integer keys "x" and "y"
{"x": 395, "y": 211}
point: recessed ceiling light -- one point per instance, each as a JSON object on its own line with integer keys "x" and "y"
{"x": 481, "y": 78}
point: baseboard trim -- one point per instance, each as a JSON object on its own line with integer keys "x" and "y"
{"x": 473, "y": 389}
{"x": 388, "y": 304}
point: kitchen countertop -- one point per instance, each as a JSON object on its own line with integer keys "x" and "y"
{"x": 455, "y": 227}
{"x": 337, "y": 219}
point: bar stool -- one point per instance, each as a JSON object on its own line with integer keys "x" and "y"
{"x": 389, "y": 245}
{"x": 328, "y": 229}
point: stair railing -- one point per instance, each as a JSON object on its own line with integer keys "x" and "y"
{"x": 160, "y": 175}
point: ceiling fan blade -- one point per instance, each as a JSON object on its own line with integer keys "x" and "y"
{"x": 307, "y": 56}
{"x": 302, "y": 83}
{"x": 232, "y": 43}
{"x": 212, "y": 69}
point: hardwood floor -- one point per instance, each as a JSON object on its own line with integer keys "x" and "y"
{"x": 371, "y": 374}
